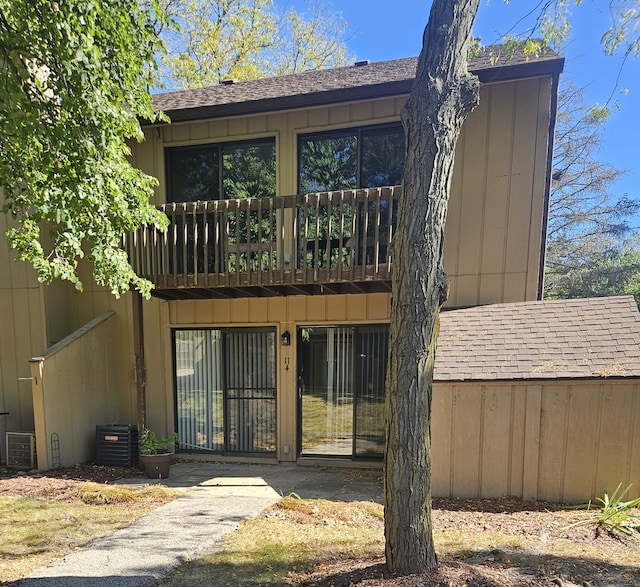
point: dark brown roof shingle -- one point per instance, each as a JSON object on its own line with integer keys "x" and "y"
{"x": 583, "y": 338}
{"x": 314, "y": 88}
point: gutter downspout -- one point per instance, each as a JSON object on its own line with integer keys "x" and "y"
{"x": 141, "y": 370}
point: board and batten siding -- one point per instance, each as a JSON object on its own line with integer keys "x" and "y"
{"x": 283, "y": 313}
{"x": 74, "y": 388}
{"x": 556, "y": 441}
{"x": 493, "y": 234}
{"x": 22, "y": 334}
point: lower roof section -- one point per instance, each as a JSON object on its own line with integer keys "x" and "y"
{"x": 554, "y": 339}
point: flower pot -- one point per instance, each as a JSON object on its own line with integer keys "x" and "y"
{"x": 157, "y": 466}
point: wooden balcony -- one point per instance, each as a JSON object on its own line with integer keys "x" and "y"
{"x": 331, "y": 242}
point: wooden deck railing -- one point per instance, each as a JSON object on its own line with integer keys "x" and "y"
{"x": 330, "y": 237}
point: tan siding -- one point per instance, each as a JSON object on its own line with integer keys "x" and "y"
{"x": 337, "y": 309}
{"x": 466, "y": 438}
{"x": 282, "y": 313}
{"x": 560, "y": 442}
{"x": 497, "y": 441}
{"x": 389, "y": 108}
{"x": 515, "y": 288}
{"x": 318, "y": 117}
{"x": 499, "y": 149}
{"x": 22, "y": 334}
{"x": 257, "y": 125}
{"x": 442, "y": 454}
{"x": 362, "y": 111}
{"x": 85, "y": 307}
{"x": 340, "y": 114}
{"x": 218, "y": 128}
{"x": 530, "y": 409}
{"x": 492, "y": 240}
{"x": 238, "y": 126}
{"x": 615, "y": 414}
{"x": 523, "y": 153}
{"x": 539, "y": 179}
{"x": 73, "y": 392}
{"x": 471, "y": 207}
{"x": 198, "y": 132}
{"x": 500, "y": 167}
{"x": 552, "y": 426}
{"x": 581, "y": 441}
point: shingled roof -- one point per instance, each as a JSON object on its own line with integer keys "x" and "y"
{"x": 560, "y": 339}
{"x": 363, "y": 80}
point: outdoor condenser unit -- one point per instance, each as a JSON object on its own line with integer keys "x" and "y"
{"x": 21, "y": 450}
{"x": 117, "y": 445}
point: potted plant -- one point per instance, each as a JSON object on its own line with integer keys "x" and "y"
{"x": 156, "y": 453}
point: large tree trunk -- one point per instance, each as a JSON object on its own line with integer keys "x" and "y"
{"x": 442, "y": 96}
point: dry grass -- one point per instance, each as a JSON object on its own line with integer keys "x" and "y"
{"x": 290, "y": 537}
{"x": 35, "y": 531}
{"x": 318, "y": 542}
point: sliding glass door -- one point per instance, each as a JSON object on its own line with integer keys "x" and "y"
{"x": 226, "y": 390}
{"x": 341, "y": 376}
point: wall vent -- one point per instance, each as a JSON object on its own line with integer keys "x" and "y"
{"x": 21, "y": 450}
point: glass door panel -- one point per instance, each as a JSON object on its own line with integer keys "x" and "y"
{"x": 250, "y": 391}
{"x": 199, "y": 389}
{"x": 326, "y": 391}
{"x": 226, "y": 390}
{"x": 341, "y": 373}
{"x": 373, "y": 347}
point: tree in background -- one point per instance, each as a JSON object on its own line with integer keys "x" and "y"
{"x": 592, "y": 250}
{"x": 248, "y": 39}
{"x": 74, "y": 76}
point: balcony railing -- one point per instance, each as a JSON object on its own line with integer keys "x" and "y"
{"x": 340, "y": 237}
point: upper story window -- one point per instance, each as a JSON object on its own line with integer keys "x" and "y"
{"x": 352, "y": 158}
{"x": 244, "y": 169}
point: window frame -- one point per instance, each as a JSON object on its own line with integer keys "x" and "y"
{"x": 358, "y": 131}
{"x": 218, "y": 149}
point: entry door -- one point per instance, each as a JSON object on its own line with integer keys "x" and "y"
{"x": 226, "y": 390}
{"x": 341, "y": 376}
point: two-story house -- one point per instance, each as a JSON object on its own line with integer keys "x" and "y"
{"x": 269, "y": 331}
{"x": 267, "y": 334}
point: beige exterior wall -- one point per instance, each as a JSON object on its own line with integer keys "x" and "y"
{"x": 34, "y": 317}
{"x": 492, "y": 254}
{"x": 22, "y": 334}
{"x": 494, "y": 228}
{"x": 557, "y": 441}
{"x": 74, "y": 387}
{"x": 285, "y": 314}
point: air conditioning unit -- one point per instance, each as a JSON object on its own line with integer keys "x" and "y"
{"x": 21, "y": 450}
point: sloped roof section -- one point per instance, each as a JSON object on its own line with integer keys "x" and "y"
{"x": 326, "y": 86}
{"x": 559, "y": 339}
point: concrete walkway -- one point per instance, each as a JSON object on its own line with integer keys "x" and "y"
{"x": 217, "y": 497}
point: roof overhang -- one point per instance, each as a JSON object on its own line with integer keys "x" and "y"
{"x": 219, "y": 107}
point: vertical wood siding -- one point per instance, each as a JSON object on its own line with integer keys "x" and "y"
{"x": 285, "y": 314}
{"x": 74, "y": 390}
{"x": 494, "y": 225}
{"x": 563, "y": 442}
{"x": 22, "y": 334}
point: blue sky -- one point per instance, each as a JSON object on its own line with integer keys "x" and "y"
{"x": 384, "y": 29}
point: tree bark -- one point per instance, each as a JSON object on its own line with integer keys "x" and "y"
{"x": 443, "y": 94}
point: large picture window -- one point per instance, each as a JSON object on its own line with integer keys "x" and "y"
{"x": 349, "y": 159}
{"x": 244, "y": 169}
{"x": 225, "y": 171}
{"x": 368, "y": 157}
